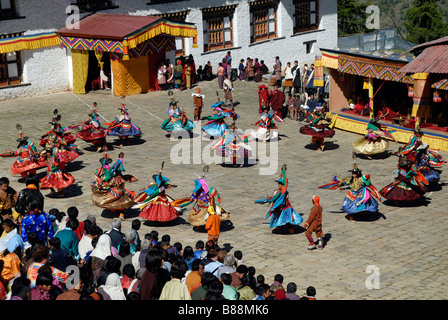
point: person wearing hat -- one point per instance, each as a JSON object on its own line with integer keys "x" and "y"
{"x": 216, "y": 124}
{"x": 422, "y": 163}
{"x": 409, "y": 185}
{"x": 28, "y": 159}
{"x": 197, "y": 104}
{"x": 318, "y": 130}
{"x": 233, "y": 147}
{"x": 154, "y": 203}
{"x": 177, "y": 120}
{"x": 122, "y": 126}
{"x": 109, "y": 192}
{"x": 55, "y": 178}
{"x": 266, "y": 128}
{"x": 281, "y": 212}
{"x": 314, "y": 224}
{"x": 91, "y": 131}
{"x": 373, "y": 142}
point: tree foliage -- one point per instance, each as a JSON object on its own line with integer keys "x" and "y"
{"x": 351, "y": 17}
{"x": 424, "y": 22}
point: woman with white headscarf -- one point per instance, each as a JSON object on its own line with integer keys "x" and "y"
{"x": 112, "y": 289}
{"x": 99, "y": 254}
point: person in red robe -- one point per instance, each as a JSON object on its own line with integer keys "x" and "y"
{"x": 276, "y": 100}
{"x": 263, "y": 96}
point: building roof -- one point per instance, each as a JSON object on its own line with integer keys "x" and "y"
{"x": 108, "y": 26}
{"x": 425, "y": 45}
{"x": 433, "y": 59}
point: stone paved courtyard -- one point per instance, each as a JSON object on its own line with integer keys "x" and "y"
{"x": 407, "y": 245}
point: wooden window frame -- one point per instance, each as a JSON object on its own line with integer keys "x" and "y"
{"x": 220, "y": 32}
{"x": 4, "y": 66}
{"x": 253, "y": 24}
{"x": 302, "y": 11}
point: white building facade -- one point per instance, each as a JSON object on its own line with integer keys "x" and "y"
{"x": 263, "y": 29}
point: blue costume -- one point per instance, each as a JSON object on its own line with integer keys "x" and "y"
{"x": 177, "y": 121}
{"x": 281, "y": 211}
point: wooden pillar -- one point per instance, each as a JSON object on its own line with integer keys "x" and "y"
{"x": 421, "y": 108}
{"x": 371, "y": 97}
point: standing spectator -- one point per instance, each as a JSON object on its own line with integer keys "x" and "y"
{"x": 208, "y": 71}
{"x": 278, "y": 72}
{"x": 188, "y": 75}
{"x": 291, "y": 289}
{"x": 169, "y": 74}
{"x": 177, "y": 75}
{"x": 36, "y": 221}
{"x": 220, "y": 73}
{"x": 225, "y": 65}
{"x": 228, "y": 57}
{"x": 200, "y": 74}
{"x": 297, "y": 80}
{"x": 174, "y": 289}
{"x": 276, "y": 100}
{"x": 193, "y": 279}
{"x": 250, "y": 69}
{"x": 197, "y": 104}
{"x": 192, "y": 65}
{"x": 161, "y": 75}
{"x": 228, "y": 91}
{"x": 288, "y": 78}
{"x": 242, "y": 71}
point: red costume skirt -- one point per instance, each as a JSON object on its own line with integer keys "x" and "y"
{"x": 159, "y": 209}
{"x": 96, "y": 137}
{"x": 317, "y": 131}
{"x": 401, "y": 191}
{"x": 56, "y": 180}
{"x": 25, "y": 164}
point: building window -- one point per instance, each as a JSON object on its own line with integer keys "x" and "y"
{"x": 10, "y": 71}
{"x": 7, "y": 9}
{"x": 309, "y": 46}
{"x": 306, "y": 15}
{"x": 94, "y": 5}
{"x": 263, "y": 22}
{"x": 217, "y": 33}
{"x": 217, "y": 27}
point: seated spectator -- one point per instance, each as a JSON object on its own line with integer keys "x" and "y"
{"x": 291, "y": 289}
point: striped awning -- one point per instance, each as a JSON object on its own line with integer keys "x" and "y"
{"x": 28, "y": 42}
{"x": 440, "y": 85}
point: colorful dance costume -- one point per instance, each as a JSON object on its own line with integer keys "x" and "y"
{"x": 122, "y": 126}
{"x": 409, "y": 185}
{"x": 374, "y": 141}
{"x": 362, "y": 195}
{"x": 318, "y": 131}
{"x": 56, "y": 133}
{"x": 55, "y": 178}
{"x": 157, "y": 206}
{"x": 281, "y": 212}
{"x": 28, "y": 159}
{"x": 177, "y": 120}
{"x": 422, "y": 163}
{"x": 201, "y": 196}
{"x": 109, "y": 192}
{"x": 216, "y": 124}
{"x": 267, "y": 129}
{"x": 233, "y": 146}
{"x": 92, "y": 131}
